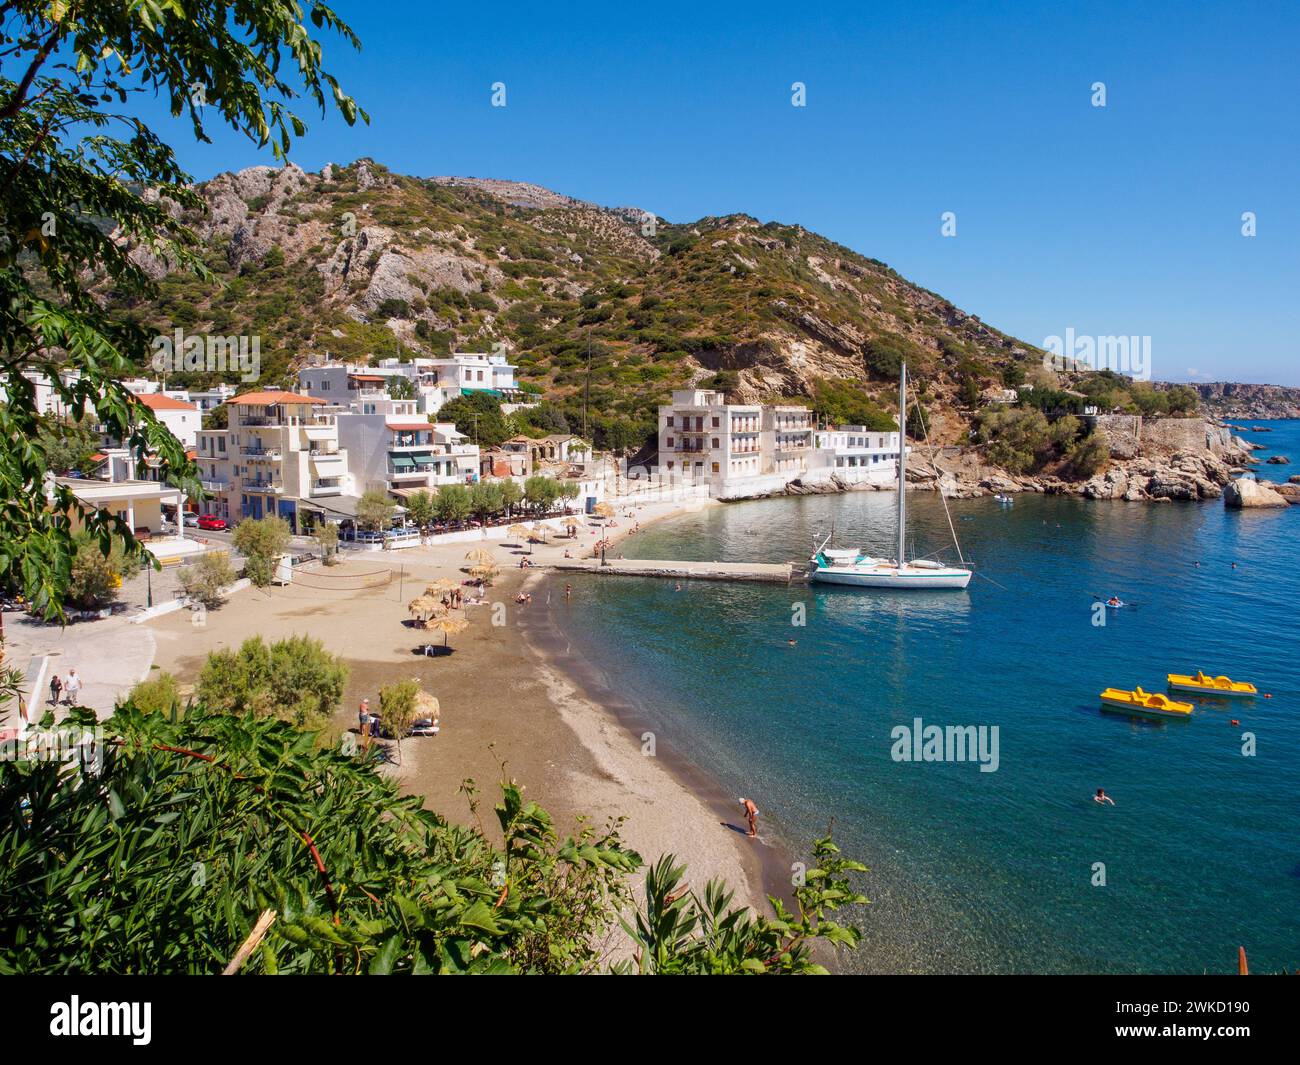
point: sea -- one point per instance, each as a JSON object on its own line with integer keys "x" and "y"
{"x": 1013, "y": 869}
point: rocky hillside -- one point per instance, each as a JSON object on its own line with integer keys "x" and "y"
{"x": 608, "y": 305}
{"x": 1226, "y": 399}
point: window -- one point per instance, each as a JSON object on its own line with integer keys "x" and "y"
{"x": 669, "y": 423}
{"x": 715, "y": 467}
{"x": 670, "y": 441}
{"x": 670, "y": 464}
{"x": 715, "y": 441}
{"x": 715, "y": 425}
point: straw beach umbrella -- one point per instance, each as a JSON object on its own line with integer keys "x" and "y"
{"x": 603, "y": 510}
{"x": 518, "y": 532}
{"x": 424, "y": 607}
{"x": 485, "y": 573}
{"x": 427, "y": 707}
{"x": 480, "y": 554}
{"x": 448, "y": 625}
{"x": 571, "y": 523}
{"x": 441, "y": 587}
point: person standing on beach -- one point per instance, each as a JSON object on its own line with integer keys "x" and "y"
{"x": 72, "y": 687}
{"x": 751, "y": 815}
{"x": 363, "y": 720}
{"x": 56, "y": 689}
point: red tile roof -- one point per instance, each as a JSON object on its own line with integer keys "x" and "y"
{"x": 409, "y": 425}
{"x": 158, "y": 401}
{"x": 273, "y": 396}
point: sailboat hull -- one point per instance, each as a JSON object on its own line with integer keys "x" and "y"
{"x": 890, "y": 578}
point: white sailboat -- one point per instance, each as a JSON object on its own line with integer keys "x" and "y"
{"x": 830, "y": 566}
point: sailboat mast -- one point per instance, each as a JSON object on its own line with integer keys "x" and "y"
{"x": 902, "y": 461}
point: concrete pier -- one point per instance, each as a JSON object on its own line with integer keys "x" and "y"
{"x": 775, "y": 572}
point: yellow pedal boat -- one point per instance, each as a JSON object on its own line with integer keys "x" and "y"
{"x": 1211, "y": 685}
{"x": 1149, "y": 704}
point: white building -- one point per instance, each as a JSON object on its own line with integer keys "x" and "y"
{"x": 400, "y": 451}
{"x": 787, "y": 440}
{"x": 182, "y": 419}
{"x": 431, "y": 382}
{"x": 737, "y": 447}
{"x": 855, "y": 454}
{"x": 703, "y": 437}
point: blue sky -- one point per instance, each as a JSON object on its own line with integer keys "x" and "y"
{"x": 1117, "y": 220}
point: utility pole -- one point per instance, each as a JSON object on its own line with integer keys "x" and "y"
{"x": 587, "y": 393}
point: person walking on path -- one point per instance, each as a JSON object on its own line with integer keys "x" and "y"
{"x": 56, "y": 689}
{"x": 72, "y": 687}
{"x": 751, "y": 815}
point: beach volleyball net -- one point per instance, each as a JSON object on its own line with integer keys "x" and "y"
{"x": 328, "y": 580}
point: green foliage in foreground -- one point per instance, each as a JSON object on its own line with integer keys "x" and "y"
{"x": 162, "y": 858}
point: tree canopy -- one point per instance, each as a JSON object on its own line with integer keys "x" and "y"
{"x": 89, "y": 195}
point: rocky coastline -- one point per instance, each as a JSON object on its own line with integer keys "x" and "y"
{"x": 1159, "y": 460}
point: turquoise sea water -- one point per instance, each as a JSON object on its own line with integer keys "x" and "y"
{"x": 981, "y": 872}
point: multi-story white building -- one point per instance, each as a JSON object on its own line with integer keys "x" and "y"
{"x": 279, "y": 455}
{"x": 787, "y": 440}
{"x": 399, "y": 450}
{"x": 703, "y": 437}
{"x": 741, "y": 449}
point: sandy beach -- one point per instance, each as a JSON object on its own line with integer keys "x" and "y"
{"x": 514, "y": 702}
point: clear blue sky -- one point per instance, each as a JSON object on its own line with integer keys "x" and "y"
{"x": 1117, "y": 220}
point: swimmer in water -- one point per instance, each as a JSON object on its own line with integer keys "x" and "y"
{"x": 1102, "y": 798}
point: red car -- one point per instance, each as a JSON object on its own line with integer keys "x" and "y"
{"x": 211, "y": 521}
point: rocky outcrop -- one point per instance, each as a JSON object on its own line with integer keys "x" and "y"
{"x": 1230, "y": 399}
{"x": 1288, "y": 491}
{"x": 1244, "y": 493}
{"x": 1278, "y": 460}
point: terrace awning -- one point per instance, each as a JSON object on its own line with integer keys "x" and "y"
{"x": 402, "y": 462}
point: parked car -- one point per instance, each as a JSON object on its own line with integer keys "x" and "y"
{"x": 212, "y": 522}
{"x": 191, "y": 520}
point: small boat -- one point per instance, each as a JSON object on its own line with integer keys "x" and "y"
{"x": 1148, "y": 704}
{"x": 1002, "y": 497}
{"x": 1211, "y": 685}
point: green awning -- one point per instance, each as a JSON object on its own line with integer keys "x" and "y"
{"x": 425, "y": 461}
{"x": 402, "y": 462}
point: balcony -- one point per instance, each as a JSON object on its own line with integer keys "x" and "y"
{"x": 327, "y": 488}
{"x": 255, "y": 484}
{"x": 271, "y": 453}
{"x": 214, "y": 486}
